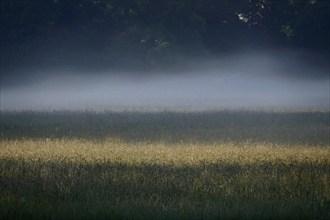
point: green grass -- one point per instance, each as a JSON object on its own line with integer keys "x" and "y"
{"x": 170, "y": 127}
{"x": 165, "y": 165}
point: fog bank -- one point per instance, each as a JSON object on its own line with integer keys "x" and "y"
{"x": 245, "y": 81}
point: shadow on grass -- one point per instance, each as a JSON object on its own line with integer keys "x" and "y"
{"x": 170, "y": 127}
{"x": 208, "y": 191}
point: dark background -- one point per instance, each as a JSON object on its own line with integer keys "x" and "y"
{"x": 133, "y": 35}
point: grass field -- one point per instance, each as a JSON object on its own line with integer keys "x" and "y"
{"x": 165, "y": 165}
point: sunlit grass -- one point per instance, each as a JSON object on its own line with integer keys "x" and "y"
{"x": 162, "y": 180}
{"x": 171, "y": 176}
{"x": 179, "y": 154}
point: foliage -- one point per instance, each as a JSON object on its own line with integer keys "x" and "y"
{"x": 148, "y": 32}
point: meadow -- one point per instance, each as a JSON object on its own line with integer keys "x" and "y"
{"x": 165, "y": 165}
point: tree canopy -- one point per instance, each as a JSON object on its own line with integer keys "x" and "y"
{"x": 107, "y": 33}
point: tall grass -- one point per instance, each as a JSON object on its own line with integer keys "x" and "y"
{"x": 165, "y": 165}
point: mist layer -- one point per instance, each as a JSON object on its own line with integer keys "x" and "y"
{"x": 245, "y": 81}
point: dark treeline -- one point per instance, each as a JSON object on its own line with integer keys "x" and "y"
{"x": 147, "y": 33}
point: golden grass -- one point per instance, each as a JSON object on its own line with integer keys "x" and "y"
{"x": 116, "y": 179}
{"x": 179, "y": 154}
{"x": 220, "y": 165}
